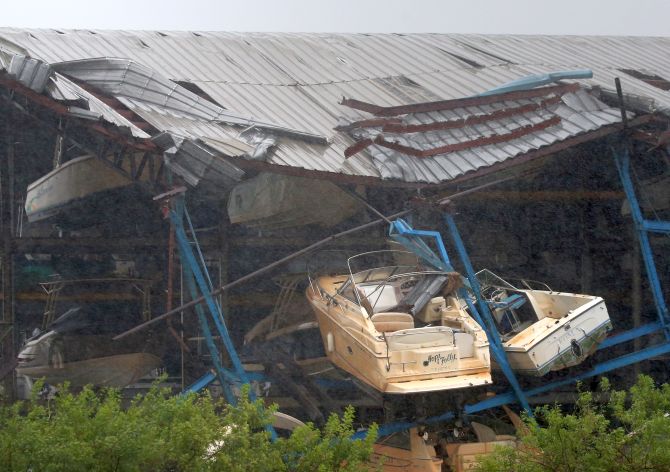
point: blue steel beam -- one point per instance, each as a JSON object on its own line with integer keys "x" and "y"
{"x": 537, "y": 80}
{"x": 400, "y": 230}
{"x": 622, "y": 160}
{"x": 224, "y": 376}
{"x": 602, "y": 368}
{"x": 492, "y": 331}
{"x": 656, "y": 226}
{"x": 630, "y": 335}
{"x": 510, "y": 397}
{"x": 214, "y": 310}
{"x": 201, "y": 383}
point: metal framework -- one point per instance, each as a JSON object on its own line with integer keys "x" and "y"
{"x": 642, "y": 228}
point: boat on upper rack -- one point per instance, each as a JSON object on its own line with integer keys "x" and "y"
{"x": 543, "y": 330}
{"x": 398, "y": 326}
{"x": 78, "y": 191}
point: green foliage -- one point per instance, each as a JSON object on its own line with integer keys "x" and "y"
{"x": 91, "y": 431}
{"x": 629, "y": 432}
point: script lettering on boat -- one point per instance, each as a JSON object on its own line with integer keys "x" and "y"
{"x": 440, "y": 359}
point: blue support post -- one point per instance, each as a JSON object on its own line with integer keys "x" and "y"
{"x": 400, "y": 231}
{"x": 197, "y": 283}
{"x": 485, "y": 314}
{"x": 642, "y": 227}
{"x": 225, "y": 378}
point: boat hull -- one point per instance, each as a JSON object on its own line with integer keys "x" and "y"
{"x": 110, "y": 371}
{"x": 416, "y": 368}
{"x": 72, "y": 182}
{"x": 272, "y": 202}
{"x": 554, "y": 344}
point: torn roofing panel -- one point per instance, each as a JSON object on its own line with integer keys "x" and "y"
{"x": 32, "y": 73}
{"x": 62, "y": 89}
{"x": 198, "y": 162}
{"x": 442, "y": 140}
{"x": 124, "y": 78}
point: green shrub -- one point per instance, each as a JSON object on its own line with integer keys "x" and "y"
{"x": 91, "y": 431}
{"x": 629, "y": 432}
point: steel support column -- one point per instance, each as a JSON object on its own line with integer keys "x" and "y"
{"x": 642, "y": 228}
{"x": 484, "y": 313}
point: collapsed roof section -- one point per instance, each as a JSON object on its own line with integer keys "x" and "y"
{"x": 442, "y": 140}
{"x": 192, "y": 140}
{"x": 268, "y": 102}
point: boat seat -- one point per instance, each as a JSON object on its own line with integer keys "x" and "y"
{"x": 423, "y": 292}
{"x": 392, "y": 321}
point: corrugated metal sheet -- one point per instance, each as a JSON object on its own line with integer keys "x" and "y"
{"x": 295, "y": 80}
{"x": 466, "y": 127}
{"x": 32, "y": 73}
{"x": 63, "y": 89}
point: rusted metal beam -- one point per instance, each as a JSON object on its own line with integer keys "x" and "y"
{"x": 358, "y": 147}
{"x": 370, "y": 123}
{"x": 470, "y": 120}
{"x": 458, "y": 102}
{"x": 338, "y": 177}
{"x": 483, "y": 141}
{"x": 550, "y": 195}
{"x": 62, "y": 110}
{"x": 7, "y": 345}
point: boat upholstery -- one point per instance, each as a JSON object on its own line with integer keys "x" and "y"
{"x": 392, "y": 321}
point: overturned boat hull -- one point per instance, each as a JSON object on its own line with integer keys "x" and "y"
{"x": 272, "y": 202}
{"x": 69, "y": 185}
{"x": 111, "y": 371}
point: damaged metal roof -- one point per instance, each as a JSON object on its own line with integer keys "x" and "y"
{"x": 454, "y": 137}
{"x": 287, "y": 87}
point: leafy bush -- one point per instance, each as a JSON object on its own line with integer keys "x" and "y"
{"x": 629, "y": 432}
{"x": 91, "y": 431}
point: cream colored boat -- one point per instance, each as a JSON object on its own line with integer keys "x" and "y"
{"x": 274, "y": 201}
{"x": 544, "y": 330}
{"x": 405, "y": 450}
{"x": 377, "y": 324}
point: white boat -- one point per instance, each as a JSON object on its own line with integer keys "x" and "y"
{"x": 69, "y": 184}
{"x": 544, "y": 330}
{"x": 378, "y": 325}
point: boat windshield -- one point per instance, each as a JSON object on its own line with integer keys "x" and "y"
{"x": 488, "y": 279}
{"x": 382, "y": 278}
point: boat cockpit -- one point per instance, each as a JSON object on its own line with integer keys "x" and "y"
{"x": 398, "y": 292}
{"x": 509, "y": 305}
